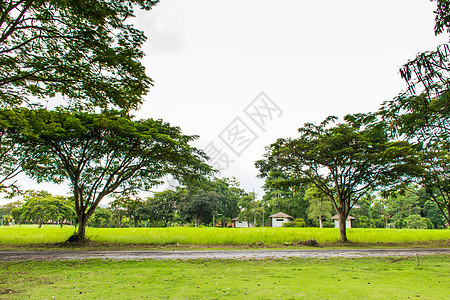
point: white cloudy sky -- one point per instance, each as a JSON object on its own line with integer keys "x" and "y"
{"x": 210, "y": 59}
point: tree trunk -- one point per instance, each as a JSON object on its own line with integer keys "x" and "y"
{"x": 82, "y": 228}
{"x": 447, "y": 217}
{"x": 320, "y": 222}
{"x": 342, "y": 226}
{"x": 80, "y": 235}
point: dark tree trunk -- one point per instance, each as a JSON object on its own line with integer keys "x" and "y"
{"x": 80, "y": 235}
{"x": 447, "y": 217}
{"x": 342, "y": 226}
{"x": 82, "y": 228}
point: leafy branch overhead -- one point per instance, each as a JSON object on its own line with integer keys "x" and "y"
{"x": 87, "y": 51}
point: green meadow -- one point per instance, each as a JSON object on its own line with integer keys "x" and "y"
{"x": 20, "y": 235}
{"x": 336, "y": 278}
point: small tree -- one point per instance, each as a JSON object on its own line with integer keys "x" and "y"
{"x": 417, "y": 222}
{"x": 295, "y": 223}
{"x": 162, "y": 207}
{"x": 41, "y": 207}
{"x": 199, "y": 207}
{"x": 252, "y": 211}
{"x": 319, "y": 205}
{"x": 101, "y": 218}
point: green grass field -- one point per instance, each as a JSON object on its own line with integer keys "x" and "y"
{"x": 217, "y": 236}
{"x": 337, "y": 278}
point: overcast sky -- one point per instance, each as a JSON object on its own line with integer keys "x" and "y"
{"x": 211, "y": 60}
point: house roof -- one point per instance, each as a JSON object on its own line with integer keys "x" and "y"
{"x": 336, "y": 217}
{"x": 235, "y": 219}
{"x": 280, "y": 215}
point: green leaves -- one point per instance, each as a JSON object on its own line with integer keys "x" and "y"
{"x": 82, "y": 50}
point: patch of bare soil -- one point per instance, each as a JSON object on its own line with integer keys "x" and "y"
{"x": 218, "y": 254}
{"x": 6, "y": 291}
{"x": 88, "y": 245}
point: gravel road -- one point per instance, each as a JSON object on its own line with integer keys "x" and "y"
{"x": 216, "y": 254}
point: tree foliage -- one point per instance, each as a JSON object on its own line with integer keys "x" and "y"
{"x": 319, "y": 205}
{"x": 87, "y": 51}
{"x": 162, "y": 207}
{"x": 199, "y": 207}
{"x": 425, "y": 123}
{"x": 125, "y": 205}
{"x": 279, "y": 197}
{"x": 41, "y": 207}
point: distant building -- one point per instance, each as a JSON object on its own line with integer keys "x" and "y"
{"x": 240, "y": 224}
{"x": 348, "y": 222}
{"x": 279, "y": 218}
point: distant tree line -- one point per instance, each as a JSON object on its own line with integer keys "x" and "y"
{"x": 223, "y": 200}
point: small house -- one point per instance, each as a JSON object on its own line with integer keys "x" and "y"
{"x": 348, "y": 222}
{"x": 239, "y": 224}
{"x": 279, "y": 218}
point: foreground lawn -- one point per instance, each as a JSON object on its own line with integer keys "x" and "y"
{"x": 217, "y": 236}
{"x": 337, "y": 278}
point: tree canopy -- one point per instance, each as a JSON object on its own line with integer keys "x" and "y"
{"x": 87, "y": 51}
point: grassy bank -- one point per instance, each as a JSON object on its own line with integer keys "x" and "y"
{"x": 337, "y": 278}
{"x": 22, "y": 235}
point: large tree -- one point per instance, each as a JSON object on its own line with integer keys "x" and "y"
{"x": 104, "y": 153}
{"x": 344, "y": 161}
{"x": 86, "y": 51}
{"x": 425, "y": 122}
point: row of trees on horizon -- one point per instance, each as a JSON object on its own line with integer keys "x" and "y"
{"x": 220, "y": 203}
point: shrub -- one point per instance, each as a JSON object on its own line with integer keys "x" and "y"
{"x": 400, "y": 224}
{"x": 417, "y": 222}
{"x": 295, "y": 223}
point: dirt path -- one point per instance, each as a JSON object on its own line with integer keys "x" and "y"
{"x": 216, "y": 254}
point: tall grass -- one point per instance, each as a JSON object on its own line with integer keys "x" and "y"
{"x": 31, "y": 234}
{"x": 216, "y": 236}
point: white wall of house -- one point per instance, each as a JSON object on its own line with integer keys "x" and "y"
{"x": 241, "y": 224}
{"x": 238, "y": 224}
{"x": 348, "y": 224}
{"x": 278, "y": 222}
